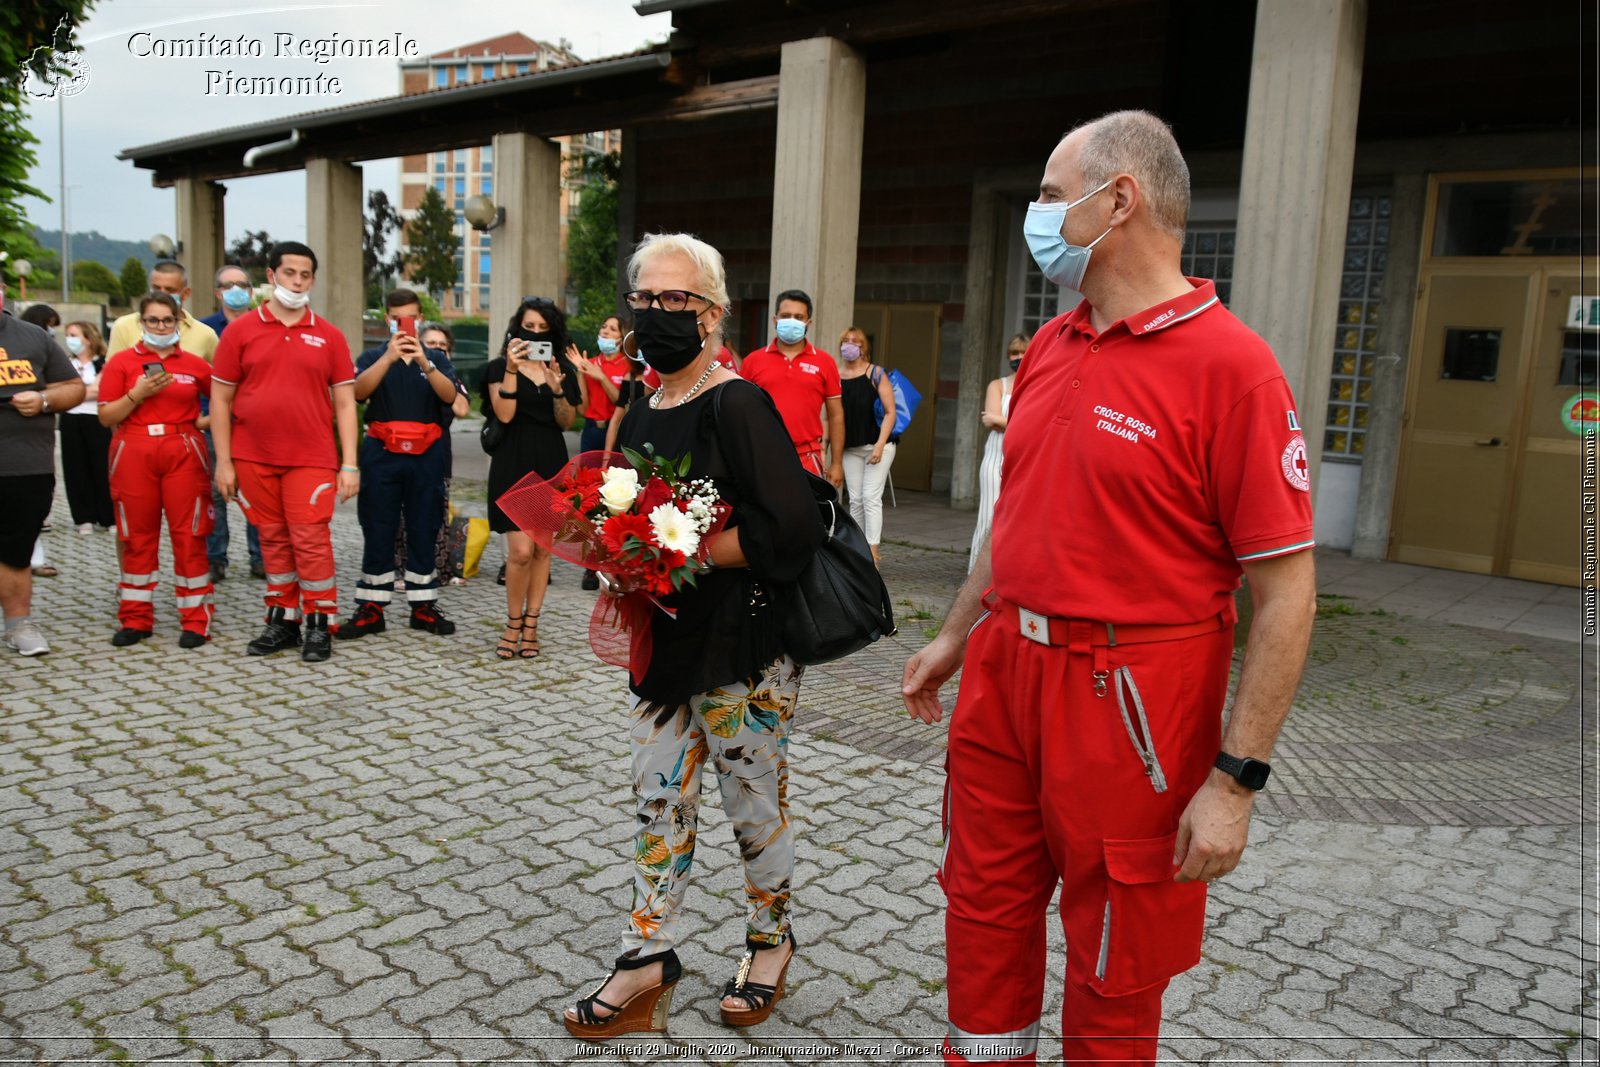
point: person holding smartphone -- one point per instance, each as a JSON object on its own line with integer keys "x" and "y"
{"x": 535, "y": 390}
{"x": 150, "y": 397}
{"x": 408, "y": 390}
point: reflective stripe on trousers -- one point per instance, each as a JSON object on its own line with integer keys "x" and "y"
{"x": 991, "y": 1048}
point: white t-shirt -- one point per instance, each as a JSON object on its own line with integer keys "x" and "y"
{"x": 89, "y": 375}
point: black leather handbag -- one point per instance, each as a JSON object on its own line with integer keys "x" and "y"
{"x": 492, "y": 433}
{"x": 839, "y": 604}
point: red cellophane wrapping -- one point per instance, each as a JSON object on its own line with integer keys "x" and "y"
{"x": 558, "y": 514}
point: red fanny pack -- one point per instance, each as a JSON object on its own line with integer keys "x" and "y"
{"x": 413, "y": 438}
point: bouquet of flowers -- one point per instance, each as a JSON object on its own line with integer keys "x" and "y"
{"x": 638, "y": 520}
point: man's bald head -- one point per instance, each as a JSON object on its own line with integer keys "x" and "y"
{"x": 1140, "y": 144}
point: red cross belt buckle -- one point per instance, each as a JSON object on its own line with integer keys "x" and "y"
{"x": 1033, "y": 626}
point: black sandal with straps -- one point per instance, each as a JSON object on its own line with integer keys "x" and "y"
{"x": 645, "y": 1011}
{"x": 530, "y": 645}
{"x": 507, "y": 648}
{"x": 759, "y": 999}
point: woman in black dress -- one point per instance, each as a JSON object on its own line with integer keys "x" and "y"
{"x": 719, "y": 689}
{"x": 534, "y": 389}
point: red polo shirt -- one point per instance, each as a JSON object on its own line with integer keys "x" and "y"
{"x": 615, "y": 368}
{"x": 1144, "y": 464}
{"x": 177, "y": 403}
{"x": 282, "y": 412}
{"x": 799, "y": 386}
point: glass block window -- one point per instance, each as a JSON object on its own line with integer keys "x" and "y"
{"x": 1355, "y": 341}
{"x": 1208, "y": 253}
{"x": 1040, "y": 297}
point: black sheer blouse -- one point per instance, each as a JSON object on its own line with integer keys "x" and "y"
{"x": 727, "y": 628}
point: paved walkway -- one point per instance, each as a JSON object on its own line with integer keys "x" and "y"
{"x": 416, "y": 852}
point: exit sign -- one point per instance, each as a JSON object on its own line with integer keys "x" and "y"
{"x": 1583, "y": 313}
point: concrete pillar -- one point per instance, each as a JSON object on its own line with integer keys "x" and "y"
{"x": 1294, "y": 190}
{"x": 527, "y": 248}
{"x": 816, "y": 186}
{"x": 1381, "y": 460}
{"x": 980, "y": 340}
{"x": 200, "y": 218}
{"x": 334, "y": 211}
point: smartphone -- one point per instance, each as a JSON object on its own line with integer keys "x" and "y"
{"x": 542, "y": 351}
{"x": 406, "y": 324}
{"x": 152, "y": 370}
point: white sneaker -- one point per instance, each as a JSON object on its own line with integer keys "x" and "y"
{"x": 28, "y": 639}
{"x": 86, "y": 527}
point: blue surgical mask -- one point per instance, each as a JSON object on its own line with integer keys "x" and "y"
{"x": 608, "y": 345}
{"x": 791, "y": 331}
{"x": 235, "y": 298}
{"x": 1063, "y": 263}
{"x": 160, "y": 340}
{"x": 74, "y": 344}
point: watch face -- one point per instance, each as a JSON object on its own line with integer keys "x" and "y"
{"x": 1253, "y": 774}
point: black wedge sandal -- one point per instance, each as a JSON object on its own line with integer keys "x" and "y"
{"x": 644, "y": 1012}
{"x": 760, "y": 999}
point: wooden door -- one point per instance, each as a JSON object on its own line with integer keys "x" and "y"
{"x": 905, "y": 337}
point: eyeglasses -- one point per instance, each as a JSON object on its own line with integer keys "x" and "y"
{"x": 234, "y": 285}
{"x": 667, "y": 299}
{"x": 160, "y": 324}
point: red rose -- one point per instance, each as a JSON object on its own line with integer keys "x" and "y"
{"x": 655, "y": 492}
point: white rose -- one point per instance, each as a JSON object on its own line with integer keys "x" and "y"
{"x": 673, "y": 529}
{"x": 620, "y": 489}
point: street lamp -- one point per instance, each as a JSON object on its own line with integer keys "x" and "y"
{"x": 164, "y": 247}
{"x": 23, "y": 269}
{"x": 481, "y": 213}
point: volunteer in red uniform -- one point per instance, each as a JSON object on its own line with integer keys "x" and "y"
{"x": 282, "y": 377}
{"x": 150, "y": 395}
{"x": 606, "y": 373}
{"x": 1152, "y": 453}
{"x": 802, "y": 379}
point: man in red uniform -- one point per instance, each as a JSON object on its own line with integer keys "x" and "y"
{"x": 1153, "y": 452}
{"x": 802, "y": 379}
{"x": 281, "y": 376}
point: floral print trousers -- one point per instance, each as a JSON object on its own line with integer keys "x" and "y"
{"x": 743, "y": 730}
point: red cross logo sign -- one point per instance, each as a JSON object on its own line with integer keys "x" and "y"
{"x": 1033, "y": 627}
{"x": 1296, "y": 468}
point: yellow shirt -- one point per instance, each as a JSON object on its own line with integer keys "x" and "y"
{"x": 193, "y": 335}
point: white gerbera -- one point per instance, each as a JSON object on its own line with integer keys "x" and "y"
{"x": 673, "y": 529}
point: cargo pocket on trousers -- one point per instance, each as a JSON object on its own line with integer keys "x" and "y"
{"x": 1152, "y": 925}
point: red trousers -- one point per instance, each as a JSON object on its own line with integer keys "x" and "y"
{"x": 1072, "y": 762}
{"x": 151, "y": 475}
{"x": 291, "y": 508}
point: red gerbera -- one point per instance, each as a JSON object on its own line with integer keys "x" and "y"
{"x": 619, "y": 527}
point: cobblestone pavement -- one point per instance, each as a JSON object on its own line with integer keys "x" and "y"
{"x": 416, "y": 852}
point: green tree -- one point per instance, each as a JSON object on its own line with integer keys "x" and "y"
{"x": 134, "y": 278}
{"x": 250, "y": 252}
{"x": 381, "y": 221}
{"x": 433, "y": 243}
{"x": 95, "y": 277}
{"x": 592, "y": 239}
{"x": 33, "y": 36}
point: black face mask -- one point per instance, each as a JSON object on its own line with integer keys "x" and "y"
{"x": 668, "y": 340}
{"x": 533, "y": 335}
{"x": 1015, "y": 363}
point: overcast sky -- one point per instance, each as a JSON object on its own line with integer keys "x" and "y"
{"x": 133, "y": 100}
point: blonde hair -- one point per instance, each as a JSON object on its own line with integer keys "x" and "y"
{"x": 1140, "y": 144}
{"x": 91, "y": 337}
{"x": 708, "y": 268}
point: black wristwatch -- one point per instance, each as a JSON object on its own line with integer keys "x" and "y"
{"x": 1250, "y": 773}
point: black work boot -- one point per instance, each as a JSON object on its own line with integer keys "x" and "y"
{"x": 368, "y": 619}
{"x": 281, "y": 633}
{"x": 318, "y": 646}
{"x": 427, "y": 616}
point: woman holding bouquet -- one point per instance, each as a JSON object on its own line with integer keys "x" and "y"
{"x": 718, "y": 688}
{"x": 534, "y": 389}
